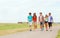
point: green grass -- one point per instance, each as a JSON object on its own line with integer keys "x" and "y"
{"x": 7, "y": 26}
{"x": 58, "y": 36}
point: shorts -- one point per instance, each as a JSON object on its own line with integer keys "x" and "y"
{"x": 41, "y": 23}
{"x": 35, "y": 23}
{"x": 30, "y": 23}
{"x": 50, "y": 24}
{"x": 46, "y": 21}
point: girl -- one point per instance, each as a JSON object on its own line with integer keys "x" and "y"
{"x": 46, "y": 22}
{"x": 35, "y": 20}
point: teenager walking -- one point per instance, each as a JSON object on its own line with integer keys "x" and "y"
{"x": 35, "y": 21}
{"x": 41, "y": 20}
{"x": 30, "y": 21}
{"x": 50, "y": 21}
{"x": 46, "y": 22}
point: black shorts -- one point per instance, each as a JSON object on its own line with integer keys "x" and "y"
{"x": 41, "y": 23}
{"x": 50, "y": 24}
{"x": 46, "y": 21}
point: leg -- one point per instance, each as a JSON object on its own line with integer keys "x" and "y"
{"x": 49, "y": 25}
{"x": 35, "y": 25}
{"x": 30, "y": 23}
{"x": 40, "y": 25}
{"x": 30, "y": 28}
{"x": 46, "y": 25}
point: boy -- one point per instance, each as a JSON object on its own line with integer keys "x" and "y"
{"x": 50, "y": 21}
{"x": 41, "y": 20}
{"x": 30, "y": 21}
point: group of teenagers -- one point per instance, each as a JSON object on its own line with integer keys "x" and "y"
{"x": 43, "y": 21}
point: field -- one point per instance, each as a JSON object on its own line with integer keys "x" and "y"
{"x": 58, "y": 36}
{"x": 9, "y": 28}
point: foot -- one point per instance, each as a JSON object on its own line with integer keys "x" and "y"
{"x": 50, "y": 30}
{"x": 30, "y": 30}
{"x": 46, "y": 30}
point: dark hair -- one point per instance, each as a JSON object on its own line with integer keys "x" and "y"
{"x": 46, "y": 15}
{"x": 30, "y": 13}
{"x": 49, "y": 13}
{"x": 40, "y": 12}
{"x": 34, "y": 14}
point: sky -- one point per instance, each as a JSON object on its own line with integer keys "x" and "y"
{"x": 13, "y": 11}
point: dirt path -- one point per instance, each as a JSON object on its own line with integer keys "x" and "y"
{"x": 35, "y": 34}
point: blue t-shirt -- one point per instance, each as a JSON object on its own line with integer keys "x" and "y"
{"x": 30, "y": 18}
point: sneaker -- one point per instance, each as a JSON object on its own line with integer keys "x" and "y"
{"x": 30, "y": 30}
{"x": 50, "y": 30}
{"x": 46, "y": 30}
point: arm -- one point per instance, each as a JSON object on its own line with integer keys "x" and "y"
{"x": 38, "y": 19}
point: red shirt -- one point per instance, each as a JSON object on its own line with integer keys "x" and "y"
{"x": 34, "y": 18}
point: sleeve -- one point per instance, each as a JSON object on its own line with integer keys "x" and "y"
{"x": 43, "y": 18}
{"x": 39, "y": 18}
{"x": 52, "y": 19}
{"x": 28, "y": 18}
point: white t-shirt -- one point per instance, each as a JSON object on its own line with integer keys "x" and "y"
{"x": 50, "y": 19}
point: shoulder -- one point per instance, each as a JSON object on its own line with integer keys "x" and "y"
{"x": 51, "y": 16}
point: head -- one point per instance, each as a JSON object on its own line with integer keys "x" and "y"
{"x": 40, "y": 13}
{"x": 49, "y": 14}
{"x": 46, "y": 16}
{"x": 34, "y": 14}
{"x": 30, "y": 13}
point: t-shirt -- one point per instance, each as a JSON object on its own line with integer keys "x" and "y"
{"x": 34, "y": 18}
{"x": 50, "y": 19}
{"x": 46, "y": 19}
{"x": 30, "y": 18}
{"x": 41, "y": 18}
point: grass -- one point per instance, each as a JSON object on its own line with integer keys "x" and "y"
{"x": 10, "y": 28}
{"x": 7, "y": 26}
{"x": 58, "y": 36}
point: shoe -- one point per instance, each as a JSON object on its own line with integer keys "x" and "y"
{"x": 30, "y": 30}
{"x": 46, "y": 30}
{"x": 50, "y": 30}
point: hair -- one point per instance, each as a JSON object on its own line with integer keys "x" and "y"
{"x": 46, "y": 15}
{"x": 40, "y": 12}
{"x": 30, "y": 13}
{"x": 34, "y": 15}
{"x": 49, "y": 13}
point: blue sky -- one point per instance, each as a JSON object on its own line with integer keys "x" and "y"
{"x": 12, "y": 11}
